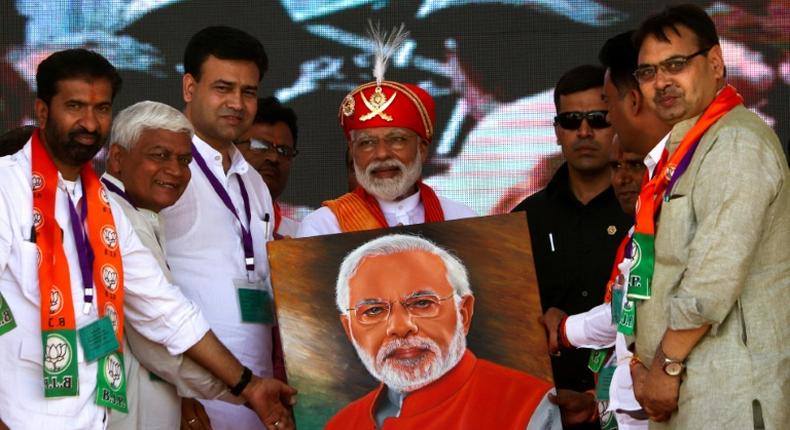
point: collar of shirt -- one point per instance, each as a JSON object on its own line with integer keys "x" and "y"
{"x": 654, "y": 156}
{"x": 151, "y": 216}
{"x": 72, "y": 188}
{"x": 214, "y": 159}
{"x": 402, "y": 206}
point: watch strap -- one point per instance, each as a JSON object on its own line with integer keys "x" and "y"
{"x": 246, "y": 377}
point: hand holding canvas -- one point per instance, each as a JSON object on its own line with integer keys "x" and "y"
{"x": 575, "y": 407}
{"x": 193, "y": 415}
{"x": 269, "y": 399}
{"x": 551, "y": 319}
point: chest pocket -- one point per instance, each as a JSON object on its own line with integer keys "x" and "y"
{"x": 27, "y": 270}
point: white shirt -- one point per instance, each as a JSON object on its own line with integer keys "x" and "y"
{"x": 152, "y": 305}
{"x": 654, "y": 156}
{"x": 205, "y": 252}
{"x": 405, "y": 212}
{"x": 154, "y": 404}
{"x": 288, "y": 227}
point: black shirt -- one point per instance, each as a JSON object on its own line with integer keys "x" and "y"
{"x": 574, "y": 246}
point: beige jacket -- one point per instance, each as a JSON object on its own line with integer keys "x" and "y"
{"x": 723, "y": 258}
{"x": 153, "y": 403}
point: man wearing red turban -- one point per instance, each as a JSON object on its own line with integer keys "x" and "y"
{"x": 388, "y": 126}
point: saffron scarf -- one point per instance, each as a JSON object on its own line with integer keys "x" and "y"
{"x": 658, "y": 188}
{"x": 100, "y": 244}
{"x": 358, "y": 210}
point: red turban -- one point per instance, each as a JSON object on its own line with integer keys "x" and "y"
{"x": 390, "y": 104}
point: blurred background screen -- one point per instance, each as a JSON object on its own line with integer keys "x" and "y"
{"x": 490, "y": 65}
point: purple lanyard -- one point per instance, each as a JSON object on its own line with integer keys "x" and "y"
{"x": 117, "y": 190}
{"x": 681, "y": 167}
{"x": 246, "y": 236}
{"x": 84, "y": 250}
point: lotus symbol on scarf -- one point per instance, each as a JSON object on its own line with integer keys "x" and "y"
{"x": 113, "y": 371}
{"x": 57, "y": 355}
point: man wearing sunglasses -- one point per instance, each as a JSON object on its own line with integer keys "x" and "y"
{"x": 712, "y": 328}
{"x": 410, "y": 333}
{"x": 269, "y": 146}
{"x": 576, "y": 222}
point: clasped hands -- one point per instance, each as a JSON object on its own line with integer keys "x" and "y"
{"x": 656, "y": 391}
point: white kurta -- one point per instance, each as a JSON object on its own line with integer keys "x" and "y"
{"x": 205, "y": 252}
{"x": 154, "y": 307}
{"x": 154, "y": 404}
{"x": 288, "y": 227}
{"x": 405, "y": 212}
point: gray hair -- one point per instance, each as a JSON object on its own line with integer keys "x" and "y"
{"x": 130, "y": 123}
{"x": 457, "y": 275}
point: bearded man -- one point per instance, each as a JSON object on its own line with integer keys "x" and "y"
{"x": 410, "y": 333}
{"x": 388, "y": 126}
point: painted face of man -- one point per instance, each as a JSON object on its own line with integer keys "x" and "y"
{"x": 222, "y": 104}
{"x": 407, "y": 329}
{"x": 260, "y": 148}
{"x": 155, "y": 172}
{"x": 682, "y": 89}
{"x": 77, "y": 119}
{"x": 586, "y": 147}
{"x": 388, "y": 160}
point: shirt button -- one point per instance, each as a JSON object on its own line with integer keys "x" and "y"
{"x": 584, "y": 293}
{"x": 217, "y": 157}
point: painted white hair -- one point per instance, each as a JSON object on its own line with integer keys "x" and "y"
{"x": 457, "y": 275}
{"x": 130, "y": 123}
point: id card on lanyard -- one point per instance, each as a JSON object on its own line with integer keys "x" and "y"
{"x": 255, "y": 301}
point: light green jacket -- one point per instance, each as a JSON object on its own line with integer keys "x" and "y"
{"x": 723, "y": 258}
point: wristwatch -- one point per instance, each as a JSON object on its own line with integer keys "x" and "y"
{"x": 672, "y": 367}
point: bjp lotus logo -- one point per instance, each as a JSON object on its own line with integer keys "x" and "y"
{"x": 37, "y": 181}
{"x": 110, "y": 237}
{"x": 55, "y": 301}
{"x": 103, "y": 196}
{"x": 38, "y": 218}
{"x": 109, "y": 276}
{"x": 109, "y": 311}
{"x": 57, "y": 354}
{"x": 113, "y": 371}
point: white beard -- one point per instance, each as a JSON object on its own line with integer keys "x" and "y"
{"x": 410, "y": 375}
{"x": 390, "y": 189}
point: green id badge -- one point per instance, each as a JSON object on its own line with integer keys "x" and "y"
{"x": 111, "y": 383}
{"x": 617, "y": 304}
{"x": 627, "y": 324}
{"x": 604, "y": 381}
{"x": 597, "y": 359}
{"x": 98, "y": 339}
{"x": 256, "y": 306}
{"x": 642, "y": 271}
{"x": 7, "y": 322}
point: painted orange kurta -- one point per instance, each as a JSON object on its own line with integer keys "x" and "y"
{"x": 475, "y": 394}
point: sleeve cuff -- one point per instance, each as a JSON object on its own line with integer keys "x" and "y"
{"x": 191, "y": 329}
{"x": 686, "y": 313}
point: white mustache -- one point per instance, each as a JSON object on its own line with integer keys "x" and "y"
{"x": 395, "y": 344}
{"x": 386, "y": 164}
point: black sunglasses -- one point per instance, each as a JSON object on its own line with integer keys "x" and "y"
{"x": 573, "y": 120}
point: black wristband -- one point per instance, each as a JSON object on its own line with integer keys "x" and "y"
{"x": 246, "y": 376}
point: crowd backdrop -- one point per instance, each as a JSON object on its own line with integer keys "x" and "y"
{"x": 490, "y": 65}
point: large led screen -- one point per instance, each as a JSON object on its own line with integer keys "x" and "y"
{"x": 491, "y": 66}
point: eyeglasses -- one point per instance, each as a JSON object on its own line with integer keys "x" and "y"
{"x": 421, "y": 306}
{"x": 647, "y": 72}
{"x": 573, "y": 120}
{"x": 264, "y": 146}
